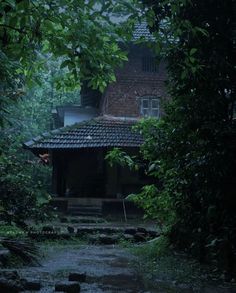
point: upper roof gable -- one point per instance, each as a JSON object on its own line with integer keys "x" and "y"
{"x": 141, "y": 31}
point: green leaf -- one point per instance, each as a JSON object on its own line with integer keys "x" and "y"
{"x": 193, "y": 51}
{"x": 67, "y": 63}
{"x": 113, "y": 77}
{"x": 12, "y": 3}
{"x": 183, "y": 74}
{"x": 192, "y": 59}
{"x": 49, "y": 25}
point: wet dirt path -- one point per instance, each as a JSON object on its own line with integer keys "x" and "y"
{"x": 107, "y": 268}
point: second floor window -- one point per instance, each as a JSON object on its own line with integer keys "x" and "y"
{"x": 150, "y": 107}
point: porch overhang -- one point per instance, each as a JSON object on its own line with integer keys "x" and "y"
{"x": 95, "y": 133}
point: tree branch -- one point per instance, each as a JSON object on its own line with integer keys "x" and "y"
{"x": 13, "y": 28}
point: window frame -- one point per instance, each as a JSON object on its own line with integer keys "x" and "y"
{"x": 148, "y": 111}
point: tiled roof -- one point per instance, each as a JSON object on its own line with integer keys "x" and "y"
{"x": 141, "y": 31}
{"x": 94, "y": 133}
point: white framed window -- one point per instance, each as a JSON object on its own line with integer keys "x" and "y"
{"x": 150, "y": 107}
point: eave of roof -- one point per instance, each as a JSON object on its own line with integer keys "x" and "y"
{"x": 94, "y": 133}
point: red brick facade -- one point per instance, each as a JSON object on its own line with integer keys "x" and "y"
{"x": 122, "y": 98}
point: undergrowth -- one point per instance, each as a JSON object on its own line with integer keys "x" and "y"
{"x": 160, "y": 267}
{"x": 10, "y": 231}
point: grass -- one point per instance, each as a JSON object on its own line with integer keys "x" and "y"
{"x": 45, "y": 246}
{"x": 10, "y": 231}
{"x": 163, "y": 269}
{"x": 124, "y": 243}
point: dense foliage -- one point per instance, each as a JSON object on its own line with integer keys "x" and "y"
{"x": 70, "y": 41}
{"x": 191, "y": 150}
{"x": 194, "y": 146}
{"x": 25, "y": 179}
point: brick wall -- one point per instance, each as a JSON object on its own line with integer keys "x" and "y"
{"x": 122, "y": 98}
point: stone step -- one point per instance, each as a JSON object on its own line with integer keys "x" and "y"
{"x": 85, "y": 213}
{"x": 117, "y": 230}
{"x": 99, "y": 230}
{"x": 84, "y": 220}
{"x": 84, "y": 208}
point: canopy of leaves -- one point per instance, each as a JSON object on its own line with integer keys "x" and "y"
{"x": 25, "y": 180}
{"x": 84, "y": 34}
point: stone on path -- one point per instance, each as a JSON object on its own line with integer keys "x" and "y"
{"x": 140, "y": 237}
{"x": 4, "y": 256}
{"x": 128, "y": 237}
{"x": 104, "y": 239}
{"x": 48, "y": 229}
{"x": 31, "y": 285}
{"x": 142, "y": 230}
{"x": 67, "y": 286}
{"x": 79, "y": 277}
{"x": 9, "y": 285}
{"x": 130, "y": 231}
{"x": 9, "y": 274}
{"x": 64, "y": 220}
{"x": 10, "y": 281}
{"x": 71, "y": 229}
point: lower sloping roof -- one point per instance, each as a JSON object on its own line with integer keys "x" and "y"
{"x": 97, "y": 132}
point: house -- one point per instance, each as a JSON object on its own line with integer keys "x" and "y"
{"x": 81, "y": 175}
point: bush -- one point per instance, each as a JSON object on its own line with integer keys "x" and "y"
{"x": 22, "y": 196}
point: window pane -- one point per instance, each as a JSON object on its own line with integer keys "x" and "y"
{"x": 155, "y": 113}
{"x": 145, "y": 103}
{"x": 145, "y": 112}
{"x": 155, "y": 104}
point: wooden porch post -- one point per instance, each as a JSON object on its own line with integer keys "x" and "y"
{"x": 58, "y": 174}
